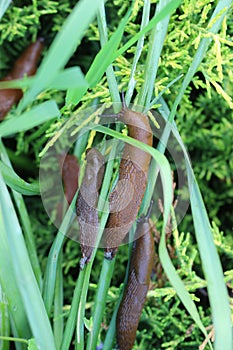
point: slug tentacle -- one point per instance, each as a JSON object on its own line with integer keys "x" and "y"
{"x": 26, "y": 64}
{"x": 138, "y": 284}
{"x": 127, "y": 197}
{"x": 87, "y": 201}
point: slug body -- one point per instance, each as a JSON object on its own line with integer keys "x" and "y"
{"x": 69, "y": 170}
{"x": 87, "y": 203}
{"x": 70, "y": 173}
{"x": 138, "y": 284}
{"x": 26, "y": 64}
{"x": 126, "y": 198}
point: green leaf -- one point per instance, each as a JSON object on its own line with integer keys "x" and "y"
{"x": 62, "y": 48}
{"x": 69, "y": 78}
{"x": 4, "y": 320}
{"x": 101, "y": 62}
{"x": 3, "y": 6}
{"x": 8, "y": 280}
{"x": 171, "y": 6}
{"x": 212, "y": 268}
{"x": 36, "y": 116}
{"x": 16, "y": 183}
{"x": 106, "y": 55}
{"x": 22, "y": 270}
{"x": 32, "y": 344}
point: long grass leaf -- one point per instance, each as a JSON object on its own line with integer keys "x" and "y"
{"x": 24, "y": 217}
{"x": 212, "y": 268}
{"x": 72, "y": 318}
{"x": 69, "y": 78}
{"x": 139, "y": 47}
{"x": 4, "y": 321}
{"x": 111, "y": 79}
{"x": 170, "y": 7}
{"x": 215, "y": 23}
{"x": 66, "y": 79}
{"x": 152, "y": 62}
{"x": 36, "y": 116}
{"x": 62, "y": 48}
{"x": 16, "y": 183}
{"x": 58, "y": 321}
{"x": 100, "y": 299}
{"x": 26, "y": 282}
{"x": 105, "y": 57}
{"x": 3, "y": 6}
{"x": 51, "y": 267}
{"x": 101, "y": 63}
{"x": 9, "y": 284}
{"x": 218, "y": 296}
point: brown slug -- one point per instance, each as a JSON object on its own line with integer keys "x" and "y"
{"x": 70, "y": 172}
{"x": 126, "y": 198}
{"x": 26, "y": 64}
{"x": 138, "y": 284}
{"x": 69, "y": 169}
{"x": 87, "y": 200}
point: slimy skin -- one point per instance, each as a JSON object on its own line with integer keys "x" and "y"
{"x": 127, "y": 197}
{"x": 70, "y": 173}
{"x": 26, "y": 64}
{"x": 87, "y": 201}
{"x": 138, "y": 284}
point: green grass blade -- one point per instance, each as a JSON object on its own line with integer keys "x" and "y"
{"x": 66, "y": 79}
{"x": 144, "y": 22}
{"x": 4, "y": 321}
{"x": 16, "y": 183}
{"x": 24, "y": 217}
{"x": 100, "y": 299}
{"x": 217, "y": 292}
{"x": 3, "y": 6}
{"x": 101, "y": 62}
{"x": 171, "y": 6}
{"x": 58, "y": 305}
{"x": 212, "y": 268}
{"x": 155, "y": 48}
{"x": 26, "y": 282}
{"x": 62, "y": 48}
{"x": 9, "y": 284}
{"x": 177, "y": 282}
{"x": 86, "y": 279}
{"x": 51, "y": 267}
{"x": 106, "y": 55}
{"x": 72, "y": 318}
{"x": 36, "y": 116}
{"x": 69, "y": 78}
{"x": 216, "y": 19}
{"x": 215, "y": 23}
{"x": 102, "y": 26}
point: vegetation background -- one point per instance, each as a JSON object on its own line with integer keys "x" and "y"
{"x": 204, "y": 120}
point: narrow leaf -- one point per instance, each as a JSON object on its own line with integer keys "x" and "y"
{"x": 16, "y": 183}
{"x": 36, "y": 116}
{"x": 22, "y": 270}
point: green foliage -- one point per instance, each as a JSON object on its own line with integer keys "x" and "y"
{"x": 203, "y": 118}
